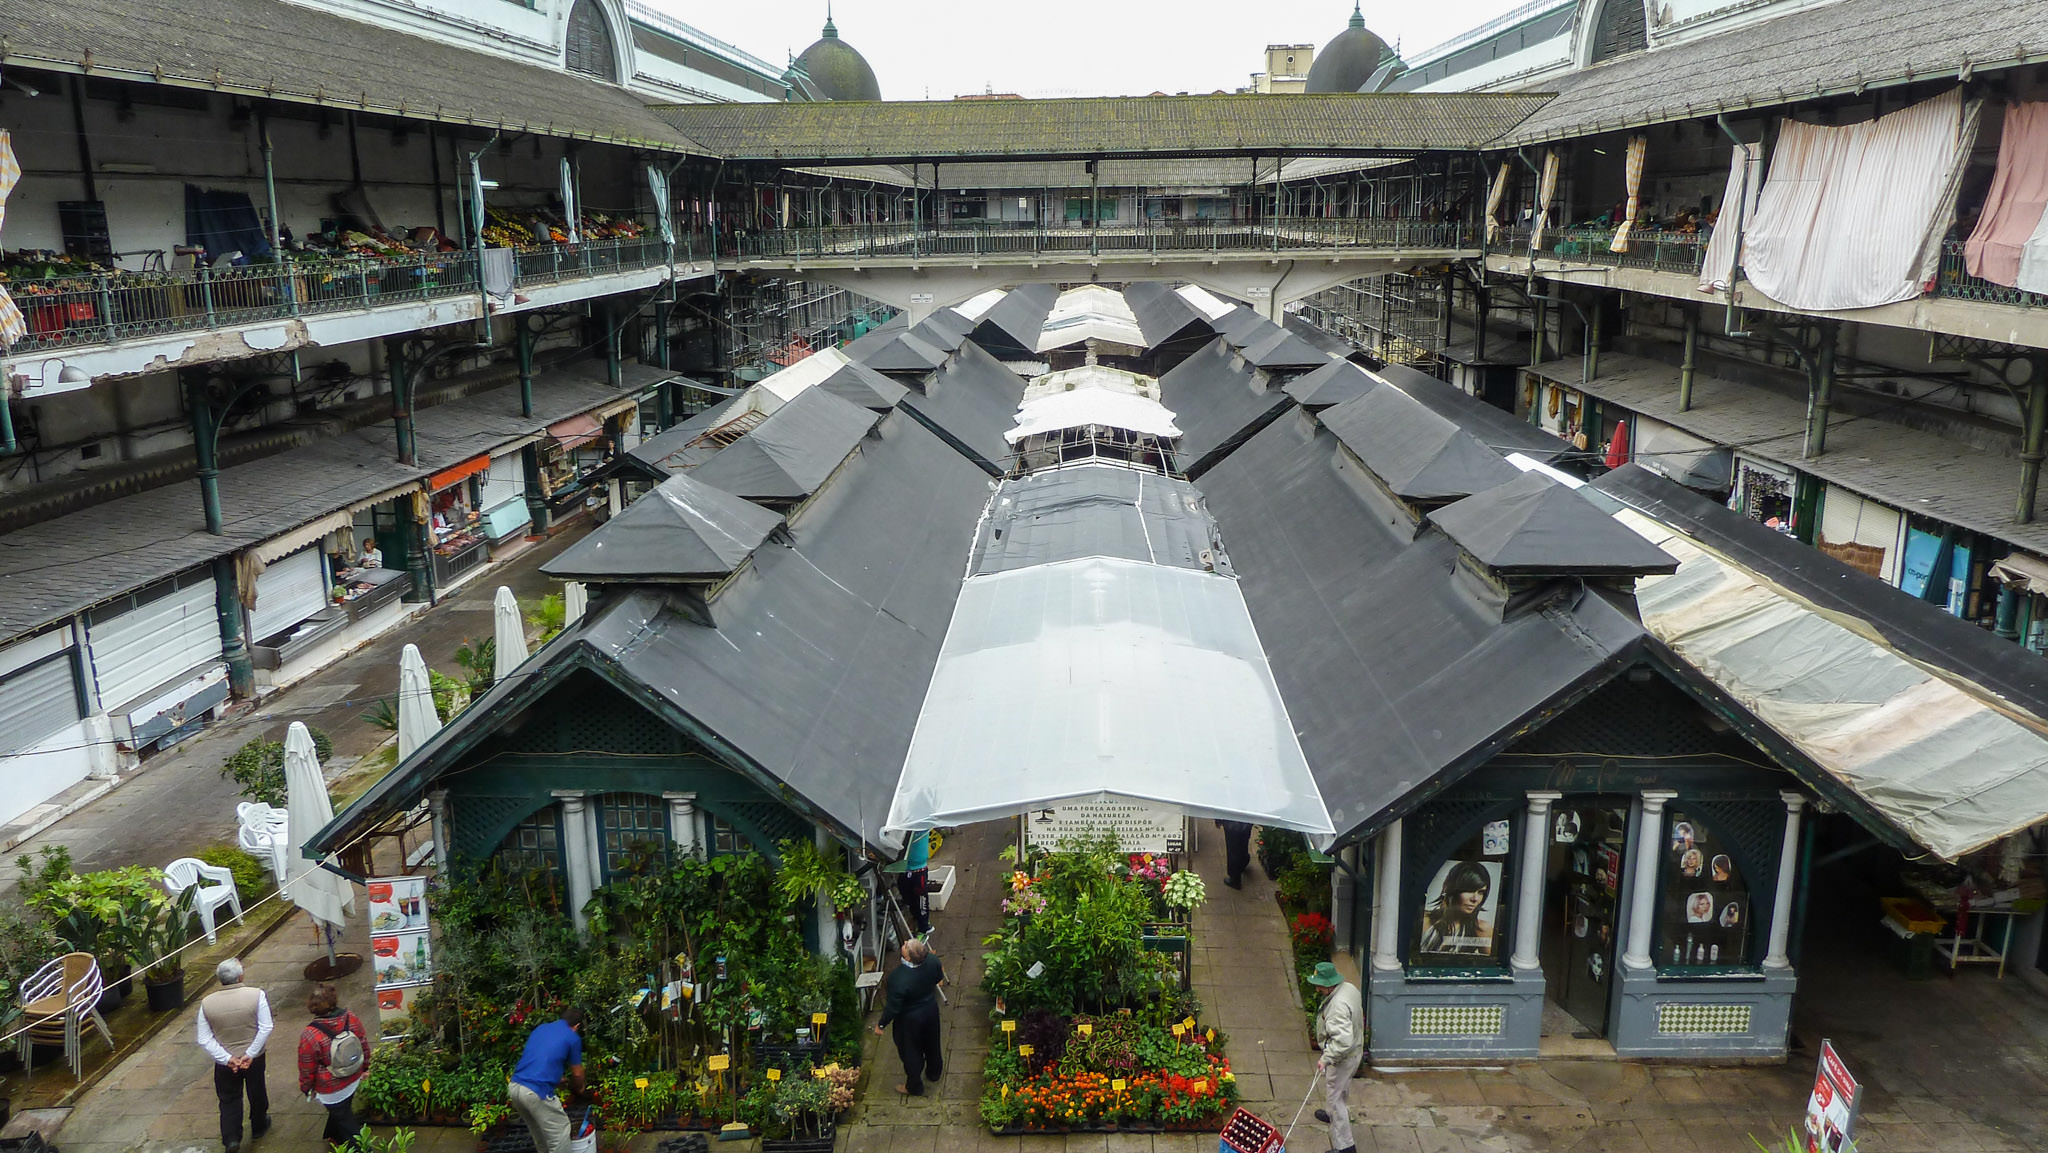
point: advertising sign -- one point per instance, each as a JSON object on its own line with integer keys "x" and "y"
{"x": 1831, "y": 1110}
{"x": 401, "y": 955}
{"x": 1139, "y": 827}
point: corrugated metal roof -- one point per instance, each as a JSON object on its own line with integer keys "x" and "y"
{"x": 1163, "y": 126}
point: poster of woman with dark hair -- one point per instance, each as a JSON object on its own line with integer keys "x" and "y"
{"x": 1459, "y": 918}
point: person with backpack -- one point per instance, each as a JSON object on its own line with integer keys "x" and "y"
{"x": 333, "y": 1052}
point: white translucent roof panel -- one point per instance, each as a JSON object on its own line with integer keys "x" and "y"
{"x": 1093, "y": 406}
{"x": 977, "y": 307}
{"x": 1205, "y": 302}
{"x": 786, "y": 385}
{"x": 1091, "y": 376}
{"x": 1091, "y": 312}
{"x": 1104, "y": 678}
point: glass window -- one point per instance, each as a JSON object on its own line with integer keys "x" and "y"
{"x": 725, "y": 838}
{"x": 1463, "y": 919}
{"x": 534, "y": 843}
{"x": 1704, "y": 912}
{"x": 632, "y": 829}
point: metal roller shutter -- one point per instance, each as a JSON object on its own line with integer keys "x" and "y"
{"x": 288, "y": 592}
{"x": 505, "y": 482}
{"x": 37, "y": 701}
{"x": 162, "y": 632}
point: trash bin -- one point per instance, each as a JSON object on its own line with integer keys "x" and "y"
{"x": 1912, "y": 952}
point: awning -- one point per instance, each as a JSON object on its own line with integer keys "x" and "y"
{"x": 1683, "y": 457}
{"x": 285, "y": 544}
{"x": 1096, "y": 406}
{"x": 2022, "y": 573}
{"x": 574, "y": 432}
{"x": 1103, "y": 678}
{"x": 463, "y": 471}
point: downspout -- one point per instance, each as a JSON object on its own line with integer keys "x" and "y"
{"x": 270, "y": 187}
{"x": 77, "y": 85}
{"x": 8, "y": 445}
{"x": 2030, "y": 452}
{"x": 1729, "y": 325}
{"x": 523, "y": 336}
{"x": 1685, "y": 368}
{"x": 1820, "y": 397}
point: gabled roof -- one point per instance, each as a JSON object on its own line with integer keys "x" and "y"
{"x": 971, "y": 402}
{"x": 897, "y": 352}
{"x": 1534, "y": 525}
{"x": 1420, "y": 456}
{"x": 944, "y": 329}
{"x": 683, "y": 530}
{"x": 1090, "y": 312}
{"x": 1332, "y": 384}
{"x": 1242, "y": 326}
{"x": 1017, "y": 318}
{"x": 1093, "y": 406}
{"x": 789, "y": 456}
{"x": 1281, "y": 350}
{"x": 858, "y": 384}
{"x": 1218, "y": 400}
{"x": 1097, "y": 510}
{"x": 1496, "y": 428}
{"x": 1162, "y": 313}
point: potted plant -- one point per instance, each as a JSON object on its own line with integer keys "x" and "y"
{"x": 163, "y": 943}
{"x": 104, "y": 913}
{"x": 802, "y": 1108}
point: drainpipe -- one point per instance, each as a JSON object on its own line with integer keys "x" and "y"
{"x": 1820, "y": 395}
{"x": 401, "y": 400}
{"x": 1685, "y": 369}
{"x": 2031, "y": 451}
{"x": 1591, "y": 367}
{"x": 1094, "y": 206}
{"x": 613, "y": 371}
{"x": 1741, "y": 206}
{"x": 523, "y": 335}
{"x": 270, "y": 186}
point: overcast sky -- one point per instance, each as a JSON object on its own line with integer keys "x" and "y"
{"x": 1070, "y": 47}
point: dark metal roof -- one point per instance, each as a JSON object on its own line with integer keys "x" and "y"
{"x": 684, "y": 530}
{"x": 792, "y": 452}
{"x": 1283, "y": 350}
{"x": 817, "y": 665}
{"x": 1348, "y": 61}
{"x": 1218, "y": 400}
{"x": 1162, "y": 313}
{"x": 1097, "y": 511}
{"x": 1242, "y": 326}
{"x": 971, "y": 402}
{"x": 896, "y": 352}
{"x": 669, "y": 452}
{"x": 307, "y": 54}
{"x": 1017, "y": 319}
{"x": 1496, "y": 427}
{"x": 1534, "y": 525}
{"x": 856, "y": 383}
{"x": 1334, "y": 125}
{"x": 1397, "y": 679}
{"x": 944, "y": 329}
{"x": 1817, "y": 50}
{"x": 1334, "y": 383}
{"x": 1419, "y": 455}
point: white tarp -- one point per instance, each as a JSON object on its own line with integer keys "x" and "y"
{"x": 1096, "y": 406}
{"x": 977, "y": 307}
{"x": 1951, "y": 768}
{"x": 1205, "y": 302}
{"x": 1090, "y": 312}
{"x": 1104, "y": 678}
{"x": 1853, "y": 216}
{"x": 1738, "y": 207}
{"x": 791, "y": 382}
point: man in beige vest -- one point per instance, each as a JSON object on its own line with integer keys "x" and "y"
{"x": 234, "y": 1024}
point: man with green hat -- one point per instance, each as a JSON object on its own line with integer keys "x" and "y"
{"x": 1340, "y": 1032}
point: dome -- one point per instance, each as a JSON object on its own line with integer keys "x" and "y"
{"x": 837, "y": 71}
{"x": 1347, "y": 62}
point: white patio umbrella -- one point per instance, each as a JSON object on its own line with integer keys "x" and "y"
{"x": 326, "y": 897}
{"x": 417, "y": 718}
{"x": 575, "y": 601}
{"x": 509, "y": 635}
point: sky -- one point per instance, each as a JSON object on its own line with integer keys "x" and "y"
{"x": 1070, "y": 47}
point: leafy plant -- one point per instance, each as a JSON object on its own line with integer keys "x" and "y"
{"x": 478, "y": 657}
{"x": 485, "y": 1116}
{"x": 106, "y": 913}
{"x": 808, "y": 872}
{"x": 165, "y": 935}
{"x": 258, "y": 767}
{"x": 400, "y": 1141}
{"x": 1184, "y": 890}
{"x": 449, "y": 697}
{"x": 804, "y": 1104}
{"x": 252, "y": 880}
{"x": 53, "y": 864}
{"x": 1313, "y": 935}
{"x": 548, "y": 617}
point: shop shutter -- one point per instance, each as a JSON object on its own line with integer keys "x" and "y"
{"x": 37, "y": 701}
{"x": 505, "y": 482}
{"x": 159, "y": 634}
{"x": 589, "y": 47}
{"x": 288, "y": 592}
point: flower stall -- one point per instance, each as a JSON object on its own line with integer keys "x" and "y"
{"x": 1095, "y": 1027}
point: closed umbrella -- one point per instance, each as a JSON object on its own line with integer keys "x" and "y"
{"x": 1617, "y": 449}
{"x": 326, "y": 897}
{"x": 574, "y": 602}
{"x": 510, "y": 635}
{"x": 417, "y": 718}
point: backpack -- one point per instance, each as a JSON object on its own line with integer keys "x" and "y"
{"x": 344, "y": 1050}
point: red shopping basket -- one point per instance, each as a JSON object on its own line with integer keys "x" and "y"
{"x": 1247, "y": 1132}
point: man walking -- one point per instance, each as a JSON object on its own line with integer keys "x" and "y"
{"x": 553, "y": 1050}
{"x": 1237, "y": 851}
{"x": 1340, "y": 1031}
{"x": 911, "y": 1001}
{"x": 333, "y": 1052}
{"x": 234, "y": 1025}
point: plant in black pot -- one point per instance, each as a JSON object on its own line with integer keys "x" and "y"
{"x": 163, "y": 943}
{"x": 802, "y": 1109}
{"x": 104, "y": 913}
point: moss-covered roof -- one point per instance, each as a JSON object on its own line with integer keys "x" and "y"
{"x": 836, "y": 70}
{"x": 1349, "y": 124}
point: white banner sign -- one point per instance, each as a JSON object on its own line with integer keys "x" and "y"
{"x": 1140, "y": 827}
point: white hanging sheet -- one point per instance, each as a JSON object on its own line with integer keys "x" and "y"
{"x": 1717, "y": 266}
{"x": 1852, "y": 216}
{"x": 2018, "y": 197}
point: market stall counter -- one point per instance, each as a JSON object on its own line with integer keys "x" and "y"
{"x": 365, "y": 590}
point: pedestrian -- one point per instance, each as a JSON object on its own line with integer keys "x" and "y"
{"x": 911, "y": 1002}
{"x": 1237, "y": 851}
{"x": 553, "y": 1051}
{"x": 1340, "y": 1031}
{"x": 334, "y": 1050}
{"x": 234, "y": 1025}
{"x": 913, "y": 883}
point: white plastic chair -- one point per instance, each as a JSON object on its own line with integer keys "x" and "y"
{"x": 56, "y": 1003}
{"x": 265, "y": 832}
{"x": 187, "y": 872}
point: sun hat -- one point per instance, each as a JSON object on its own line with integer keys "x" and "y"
{"x": 1326, "y": 975}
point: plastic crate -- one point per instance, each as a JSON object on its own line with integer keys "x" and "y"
{"x": 1247, "y": 1132}
{"x": 1913, "y": 914}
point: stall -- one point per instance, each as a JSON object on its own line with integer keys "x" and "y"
{"x": 501, "y": 497}
{"x": 293, "y": 608}
{"x": 458, "y": 540}
{"x": 573, "y": 450}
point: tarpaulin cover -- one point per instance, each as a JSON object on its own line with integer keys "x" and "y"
{"x": 971, "y": 402}
{"x": 1499, "y": 429}
{"x": 572, "y": 433}
{"x": 1417, "y": 454}
{"x": 1281, "y": 350}
{"x": 1098, "y": 406}
{"x": 684, "y": 529}
{"x": 1162, "y": 313}
{"x": 974, "y": 308}
{"x": 1533, "y": 524}
{"x": 2018, "y": 196}
{"x": 1097, "y": 510}
{"x": 1953, "y": 770}
{"x": 1090, "y": 312}
{"x": 1334, "y": 383}
{"x": 1218, "y": 400}
{"x": 1013, "y": 324}
{"x": 1104, "y": 678}
{"x": 1853, "y": 216}
{"x": 1717, "y": 264}
{"x": 2024, "y": 573}
{"x": 786, "y": 384}
{"x": 856, "y": 383}
{"x": 901, "y": 352}
{"x": 1211, "y": 306}
{"x": 792, "y": 452}
{"x": 1683, "y": 457}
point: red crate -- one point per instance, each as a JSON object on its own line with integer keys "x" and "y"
{"x": 1247, "y": 1132}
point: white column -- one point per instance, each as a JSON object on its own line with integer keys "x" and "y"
{"x": 1386, "y": 906}
{"x": 682, "y": 821}
{"x": 1643, "y": 878}
{"x": 1788, "y": 876}
{"x": 576, "y": 850}
{"x": 1529, "y": 899}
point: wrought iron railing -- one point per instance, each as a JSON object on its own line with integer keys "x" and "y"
{"x": 104, "y": 309}
{"x": 1955, "y": 282}
{"x": 997, "y": 239}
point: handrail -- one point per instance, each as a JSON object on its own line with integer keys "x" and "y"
{"x": 1027, "y": 238}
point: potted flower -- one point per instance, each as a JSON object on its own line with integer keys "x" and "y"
{"x": 802, "y": 1109}
{"x": 163, "y": 944}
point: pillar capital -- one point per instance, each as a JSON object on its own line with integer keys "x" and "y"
{"x": 1654, "y": 799}
{"x": 573, "y": 800}
{"x": 1541, "y": 800}
{"x": 1794, "y": 801}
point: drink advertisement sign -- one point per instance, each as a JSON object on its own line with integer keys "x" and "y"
{"x": 401, "y": 954}
{"x": 1831, "y": 1109}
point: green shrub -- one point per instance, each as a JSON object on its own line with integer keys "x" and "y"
{"x": 252, "y": 879}
{"x": 258, "y": 767}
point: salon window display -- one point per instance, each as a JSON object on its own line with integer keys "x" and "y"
{"x": 1704, "y": 918}
{"x": 1463, "y": 921}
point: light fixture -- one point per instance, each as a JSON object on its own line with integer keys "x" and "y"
{"x": 31, "y": 89}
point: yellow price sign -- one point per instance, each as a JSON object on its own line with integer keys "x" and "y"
{"x": 1009, "y": 1026}
{"x": 1086, "y": 1029}
{"x": 719, "y": 1064}
{"x": 1212, "y": 1036}
{"x": 639, "y": 1082}
{"x": 1117, "y": 1085}
{"x": 775, "y": 1074}
{"x": 426, "y": 1086}
{"x": 1179, "y": 1029}
{"x": 1202, "y": 1086}
{"x": 817, "y": 1074}
{"x": 1025, "y": 1050}
{"x": 817, "y": 1018}
{"x": 1188, "y": 1024}
{"x": 1006, "y": 1090}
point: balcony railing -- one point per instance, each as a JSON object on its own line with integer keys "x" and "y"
{"x": 1030, "y": 239}
{"x": 105, "y": 309}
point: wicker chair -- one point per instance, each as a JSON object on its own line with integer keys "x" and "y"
{"x": 55, "y": 1005}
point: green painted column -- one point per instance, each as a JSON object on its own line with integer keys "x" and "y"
{"x": 205, "y": 438}
{"x": 401, "y": 400}
{"x": 536, "y": 500}
{"x": 234, "y": 648}
{"x": 524, "y": 341}
{"x": 613, "y": 370}
{"x": 2007, "y": 622}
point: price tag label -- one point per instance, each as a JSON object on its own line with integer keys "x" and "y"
{"x": 1006, "y": 1090}
{"x": 1188, "y": 1023}
{"x": 639, "y": 1082}
{"x": 1179, "y": 1029}
{"x": 817, "y": 1018}
{"x": 1009, "y": 1026}
{"x": 426, "y": 1086}
{"x": 1117, "y": 1085}
{"x": 817, "y": 1074}
{"x": 1086, "y": 1029}
{"x": 1202, "y": 1086}
{"x": 719, "y": 1064}
{"x": 1025, "y": 1050}
{"x": 1212, "y": 1036}
{"x": 775, "y": 1074}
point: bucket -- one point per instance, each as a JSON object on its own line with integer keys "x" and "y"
{"x": 585, "y": 1140}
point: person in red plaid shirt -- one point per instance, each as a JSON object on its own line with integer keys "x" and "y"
{"x": 318, "y": 1077}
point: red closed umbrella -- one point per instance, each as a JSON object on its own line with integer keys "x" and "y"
{"x": 1617, "y": 449}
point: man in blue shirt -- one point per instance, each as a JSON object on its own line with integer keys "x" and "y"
{"x": 916, "y": 872}
{"x": 552, "y": 1051}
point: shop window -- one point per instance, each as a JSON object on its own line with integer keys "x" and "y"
{"x": 1463, "y": 921}
{"x": 534, "y": 844}
{"x": 632, "y": 830}
{"x": 1704, "y": 915}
